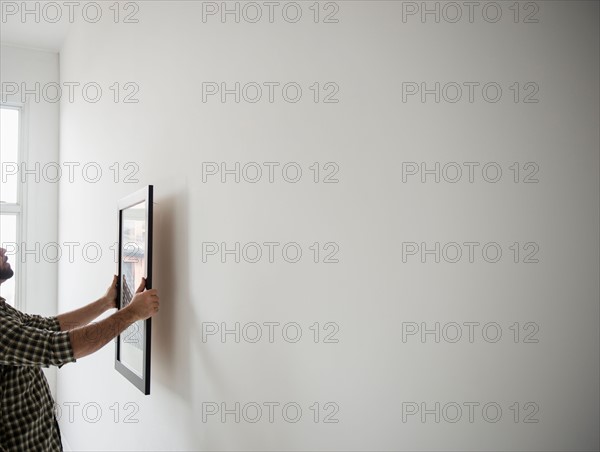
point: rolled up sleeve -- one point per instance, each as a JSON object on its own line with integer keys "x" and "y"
{"x": 33, "y": 320}
{"x": 42, "y": 323}
{"x": 24, "y": 345}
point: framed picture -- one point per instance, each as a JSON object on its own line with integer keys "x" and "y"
{"x": 133, "y": 345}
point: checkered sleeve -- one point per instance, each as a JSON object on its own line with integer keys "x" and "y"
{"x": 24, "y": 345}
{"x": 36, "y": 321}
{"x": 42, "y": 323}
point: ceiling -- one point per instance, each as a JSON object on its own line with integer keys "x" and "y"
{"x": 43, "y": 35}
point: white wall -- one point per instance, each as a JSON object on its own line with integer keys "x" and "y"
{"x": 28, "y": 66}
{"x": 369, "y": 213}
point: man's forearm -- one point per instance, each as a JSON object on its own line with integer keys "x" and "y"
{"x": 91, "y": 338}
{"x": 82, "y": 316}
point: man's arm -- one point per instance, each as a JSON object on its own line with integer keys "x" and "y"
{"x": 24, "y": 345}
{"x": 91, "y": 338}
{"x": 82, "y": 316}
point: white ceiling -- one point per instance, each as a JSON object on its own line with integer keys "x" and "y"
{"x": 43, "y": 35}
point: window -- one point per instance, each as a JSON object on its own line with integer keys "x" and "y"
{"x": 11, "y": 212}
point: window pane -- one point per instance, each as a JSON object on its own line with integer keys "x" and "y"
{"x": 9, "y": 149}
{"x": 8, "y": 240}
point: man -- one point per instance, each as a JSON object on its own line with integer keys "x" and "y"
{"x": 30, "y": 342}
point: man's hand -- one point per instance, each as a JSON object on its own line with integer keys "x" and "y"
{"x": 82, "y": 316}
{"x": 144, "y": 303}
{"x": 112, "y": 293}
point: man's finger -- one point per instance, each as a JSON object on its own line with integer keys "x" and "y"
{"x": 142, "y": 286}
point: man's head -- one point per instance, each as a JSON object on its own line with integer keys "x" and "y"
{"x": 5, "y": 271}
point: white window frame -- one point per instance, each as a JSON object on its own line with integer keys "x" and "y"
{"x": 19, "y": 209}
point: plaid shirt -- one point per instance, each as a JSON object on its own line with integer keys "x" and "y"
{"x": 28, "y": 343}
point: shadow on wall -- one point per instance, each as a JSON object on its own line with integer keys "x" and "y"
{"x": 176, "y": 330}
{"x": 170, "y": 342}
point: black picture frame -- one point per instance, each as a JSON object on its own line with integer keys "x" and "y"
{"x": 133, "y": 346}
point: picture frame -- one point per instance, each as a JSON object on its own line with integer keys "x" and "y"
{"x": 133, "y": 345}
